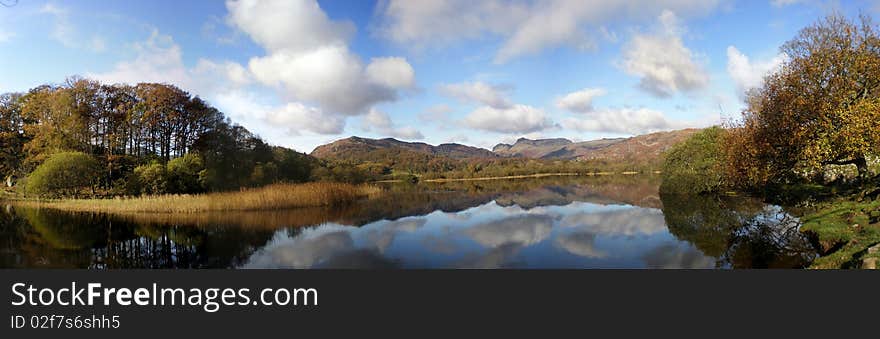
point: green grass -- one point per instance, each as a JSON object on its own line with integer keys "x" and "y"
{"x": 844, "y": 228}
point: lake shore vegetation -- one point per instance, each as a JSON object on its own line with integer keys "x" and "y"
{"x": 809, "y": 137}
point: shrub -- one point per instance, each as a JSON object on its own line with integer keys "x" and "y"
{"x": 695, "y": 165}
{"x": 183, "y": 174}
{"x": 62, "y": 175}
{"x": 151, "y": 179}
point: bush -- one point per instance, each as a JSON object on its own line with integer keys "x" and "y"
{"x": 183, "y": 174}
{"x": 695, "y": 165}
{"x": 62, "y": 175}
{"x": 151, "y": 179}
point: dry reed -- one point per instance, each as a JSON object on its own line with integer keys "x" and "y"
{"x": 272, "y": 197}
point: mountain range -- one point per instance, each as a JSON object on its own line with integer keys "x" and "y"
{"x": 643, "y": 148}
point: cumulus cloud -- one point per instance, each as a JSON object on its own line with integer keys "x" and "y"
{"x": 580, "y": 101}
{"x": 392, "y": 72}
{"x": 478, "y": 92}
{"x": 309, "y": 59}
{"x": 748, "y": 74}
{"x": 380, "y": 122}
{"x": 293, "y": 117}
{"x": 526, "y": 27}
{"x": 623, "y": 121}
{"x": 299, "y": 116}
{"x": 514, "y": 119}
{"x": 663, "y": 63}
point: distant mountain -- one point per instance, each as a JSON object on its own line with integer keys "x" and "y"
{"x": 357, "y": 148}
{"x": 647, "y": 148}
{"x": 531, "y": 148}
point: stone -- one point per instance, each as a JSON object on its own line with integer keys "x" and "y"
{"x": 870, "y": 263}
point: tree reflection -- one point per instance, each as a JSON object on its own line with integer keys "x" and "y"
{"x": 739, "y": 232}
{"x": 51, "y": 239}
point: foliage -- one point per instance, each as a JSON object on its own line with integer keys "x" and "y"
{"x": 150, "y": 179}
{"x": 183, "y": 174}
{"x": 821, "y": 108}
{"x": 148, "y": 126}
{"x": 62, "y": 175}
{"x": 695, "y": 165}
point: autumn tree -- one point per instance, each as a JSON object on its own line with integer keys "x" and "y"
{"x": 822, "y": 107}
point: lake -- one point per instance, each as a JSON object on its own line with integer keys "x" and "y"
{"x": 579, "y": 222}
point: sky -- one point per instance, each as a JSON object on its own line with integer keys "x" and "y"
{"x": 301, "y": 73}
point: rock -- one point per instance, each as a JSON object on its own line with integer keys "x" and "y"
{"x": 874, "y": 249}
{"x": 870, "y": 263}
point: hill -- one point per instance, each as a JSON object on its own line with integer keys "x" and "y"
{"x": 363, "y": 149}
{"x": 643, "y": 148}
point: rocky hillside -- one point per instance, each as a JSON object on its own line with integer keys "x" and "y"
{"x": 643, "y": 149}
{"x": 646, "y": 147}
{"x": 356, "y": 148}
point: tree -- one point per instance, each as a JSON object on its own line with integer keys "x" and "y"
{"x": 183, "y": 174}
{"x": 62, "y": 175}
{"x": 12, "y": 137}
{"x": 694, "y": 166}
{"x": 821, "y": 108}
{"x": 150, "y": 179}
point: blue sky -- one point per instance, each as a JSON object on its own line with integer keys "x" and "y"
{"x": 302, "y": 73}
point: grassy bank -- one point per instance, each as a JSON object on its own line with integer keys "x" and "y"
{"x": 272, "y": 197}
{"x": 844, "y": 230}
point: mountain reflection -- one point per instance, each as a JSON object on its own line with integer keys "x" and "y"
{"x": 603, "y": 222}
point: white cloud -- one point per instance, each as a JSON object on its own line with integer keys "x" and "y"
{"x": 514, "y": 119}
{"x": 623, "y": 121}
{"x": 580, "y": 101}
{"x": 392, "y": 72}
{"x": 297, "y": 116}
{"x": 526, "y": 27}
{"x": 297, "y": 26}
{"x": 477, "y": 92}
{"x": 229, "y": 71}
{"x": 158, "y": 59}
{"x": 293, "y": 117}
{"x": 308, "y": 57}
{"x": 748, "y": 74}
{"x": 662, "y": 61}
{"x": 381, "y": 123}
{"x": 783, "y": 3}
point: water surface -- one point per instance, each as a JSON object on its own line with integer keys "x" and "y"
{"x": 604, "y": 222}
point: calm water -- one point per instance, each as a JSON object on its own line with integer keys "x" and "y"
{"x": 619, "y": 222}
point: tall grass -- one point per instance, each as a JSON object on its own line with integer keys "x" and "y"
{"x": 272, "y": 197}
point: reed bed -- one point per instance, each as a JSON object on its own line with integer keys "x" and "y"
{"x": 272, "y": 197}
